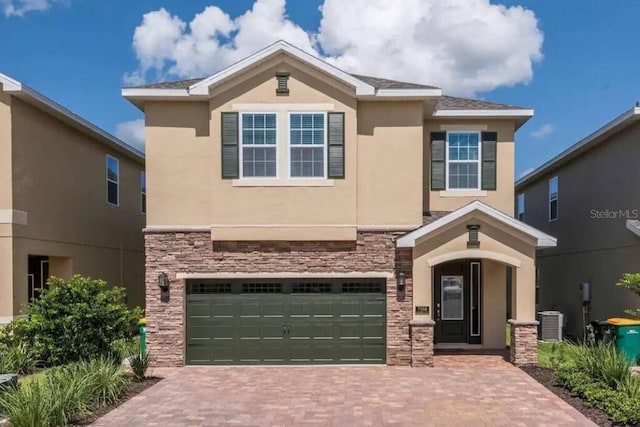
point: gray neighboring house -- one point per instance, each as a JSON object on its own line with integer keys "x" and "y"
{"x": 589, "y": 198}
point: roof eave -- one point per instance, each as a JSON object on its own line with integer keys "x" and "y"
{"x": 519, "y": 115}
{"x": 611, "y": 128}
{"x": 33, "y": 97}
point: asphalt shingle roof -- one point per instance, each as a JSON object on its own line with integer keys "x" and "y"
{"x": 455, "y": 103}
{"x": 178, "y": 84}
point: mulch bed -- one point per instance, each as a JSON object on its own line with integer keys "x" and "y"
{"x": 135, "y": 389}
{"x": 547, "y": 378}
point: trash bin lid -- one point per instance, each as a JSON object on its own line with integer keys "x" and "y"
{"x": 621, "y": 321}
{"x": 143, "y": 321}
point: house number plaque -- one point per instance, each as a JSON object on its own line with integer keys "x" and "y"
{"x": 422, "y": 309}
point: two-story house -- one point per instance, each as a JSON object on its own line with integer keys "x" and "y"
{"x": 72, "y": 200}
{"x": 588, "y": 196}
{"x": 299, "y": 214}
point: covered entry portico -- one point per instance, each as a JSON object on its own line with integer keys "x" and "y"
{"x": 462, "y": 263}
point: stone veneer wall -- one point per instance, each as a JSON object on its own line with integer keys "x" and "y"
{"x": 523, "y": 350}
{"x": 422, "y": 342}
{"x": 194, "y": 252}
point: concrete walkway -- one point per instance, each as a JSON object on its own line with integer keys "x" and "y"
{"x": 460, "y": 391}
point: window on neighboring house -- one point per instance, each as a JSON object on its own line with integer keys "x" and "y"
{"x": 463, "y": 160}
{"x": 259, "y": 145}
{"x": 143, "y": 192}
{"x": 521, "y": 207}
{"x": 308, "y": 142}
{"x": 113, "y": 180}
{"x": 553, "y": 198}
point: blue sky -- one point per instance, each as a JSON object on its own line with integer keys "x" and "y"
{"x": 77, "y": 52}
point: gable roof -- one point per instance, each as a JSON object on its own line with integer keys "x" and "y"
{"x": 38, "y": 100}
{"x": 543, "y": 240}
{"x": 613, "y": 127}
{"x": 365, "y": 86}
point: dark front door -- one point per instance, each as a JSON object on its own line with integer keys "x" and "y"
{"x": 451, "y": 289}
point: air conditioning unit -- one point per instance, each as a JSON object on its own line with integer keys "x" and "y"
{"x": 551, "y": 323}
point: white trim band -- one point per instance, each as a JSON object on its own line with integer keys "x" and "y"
{"x": 484, "y": 113}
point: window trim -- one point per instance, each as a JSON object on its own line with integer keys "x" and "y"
{"x": 524, "y": 201}
{"x": 143, "y": 193}
{"x": 325, "y": 145}
{"x": 478, "y": 161}
{"x": 117, "y": 182}
{"x": 553, "y": 199}
{"x": 241, "y": 144}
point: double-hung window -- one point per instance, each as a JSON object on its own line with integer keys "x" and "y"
{"x": 259, "y": 152}
{"x": 553, "y": 198}
{"x": 463, "y": 160}
{"x": 113, "y": 181}
{"x": 308, "y": 143}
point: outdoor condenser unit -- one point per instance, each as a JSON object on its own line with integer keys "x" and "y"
{"x": 551, "y": 325}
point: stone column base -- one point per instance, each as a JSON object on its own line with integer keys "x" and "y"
{"x": 421, "y": 342}
{"x": 524, "y": 342}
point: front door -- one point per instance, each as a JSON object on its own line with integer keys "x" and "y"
{"x": 457, "y": 294}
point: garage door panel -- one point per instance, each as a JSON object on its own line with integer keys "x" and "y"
{"x": 262, "y": 325}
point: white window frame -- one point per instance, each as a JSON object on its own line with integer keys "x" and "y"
{"x": 518, "y": 212}
{"x": 116, "y": 182}
{"x": 479, "y": 161}
{"x": 143, "y": 192}
{"x": 554, "y": 199}
{"x": 241, "y": 145}
{"x": 325, "y": 146}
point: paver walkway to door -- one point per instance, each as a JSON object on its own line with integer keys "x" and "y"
{"x": 464, "y": 390}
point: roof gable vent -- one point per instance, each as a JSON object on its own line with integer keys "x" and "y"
{"x": 283, "y": 83}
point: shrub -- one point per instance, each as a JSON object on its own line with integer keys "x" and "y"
{"x": 63, "y": 394}
{"x": 17, "y": 359}
{"x": 602, "y": 362}
{"x": 631, "y": 281}
{"x": 76, "y": 319}
{"x": 139, "y": 364}
{"x": 125, "y": 348}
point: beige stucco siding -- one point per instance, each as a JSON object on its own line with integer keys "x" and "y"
{"x": 390, "y": 177}
{"x": 494, "y": 304}
{"x": 5, "y": 151}
{"x": 59, "y": 179}
{"x": 502, "y": 197}
{"x": 185, "y": 139}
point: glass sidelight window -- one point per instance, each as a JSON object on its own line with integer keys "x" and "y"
{"x": 475, "y": 299}
{"x": 452, "y": 303}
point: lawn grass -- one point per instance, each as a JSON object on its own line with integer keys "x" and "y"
{"x": 545, "y": 349}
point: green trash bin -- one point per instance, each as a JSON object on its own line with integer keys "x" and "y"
{"x": 626, "y": 336}
{"x": 142, "y": 330}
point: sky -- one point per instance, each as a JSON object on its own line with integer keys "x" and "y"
{"x": 575, "y": 63}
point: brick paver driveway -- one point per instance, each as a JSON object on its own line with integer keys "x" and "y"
{"x": 459, "y": 391}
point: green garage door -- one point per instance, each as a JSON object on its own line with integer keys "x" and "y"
{"x": 285, "y": 322}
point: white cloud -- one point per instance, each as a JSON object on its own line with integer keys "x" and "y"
{"x": 21, "y": 7}
{"x": 132, "y": 132}
{"x": 464, "y": 46}
{"x": 543, "y": 131}
{"x": 525, "y": 173}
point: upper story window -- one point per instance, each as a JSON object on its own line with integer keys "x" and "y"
{"x": 521, "y": 206}
{"x": 308, "y": 145}
{"x": 553, "y": 198}
{"x": 463, "y": 160}
{"x": 143, "y": 192}
{"x": 259, "y": 145}
{"x": 113, "y": 181}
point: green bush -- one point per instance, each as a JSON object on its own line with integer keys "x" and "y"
{"x": 64, "y": 394}
{"x": 602, "y": 377}
{"x": 76, "y": 319}
{"x": 139, "y": 364}
{"x": 125, "y": 348}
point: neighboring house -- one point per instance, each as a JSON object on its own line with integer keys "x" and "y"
{"x": 70, "y": 200}
{"x": 300, "y": 214}
{"x": 589, "y": 197}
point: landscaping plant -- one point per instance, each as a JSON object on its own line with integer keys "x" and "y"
{"x": 631, "y": 281}
{"x": 75, "y": 319}
{"x": 17, "y": 359}
{"x": 602, "y": 377}
{"x": 139, "y": 364}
